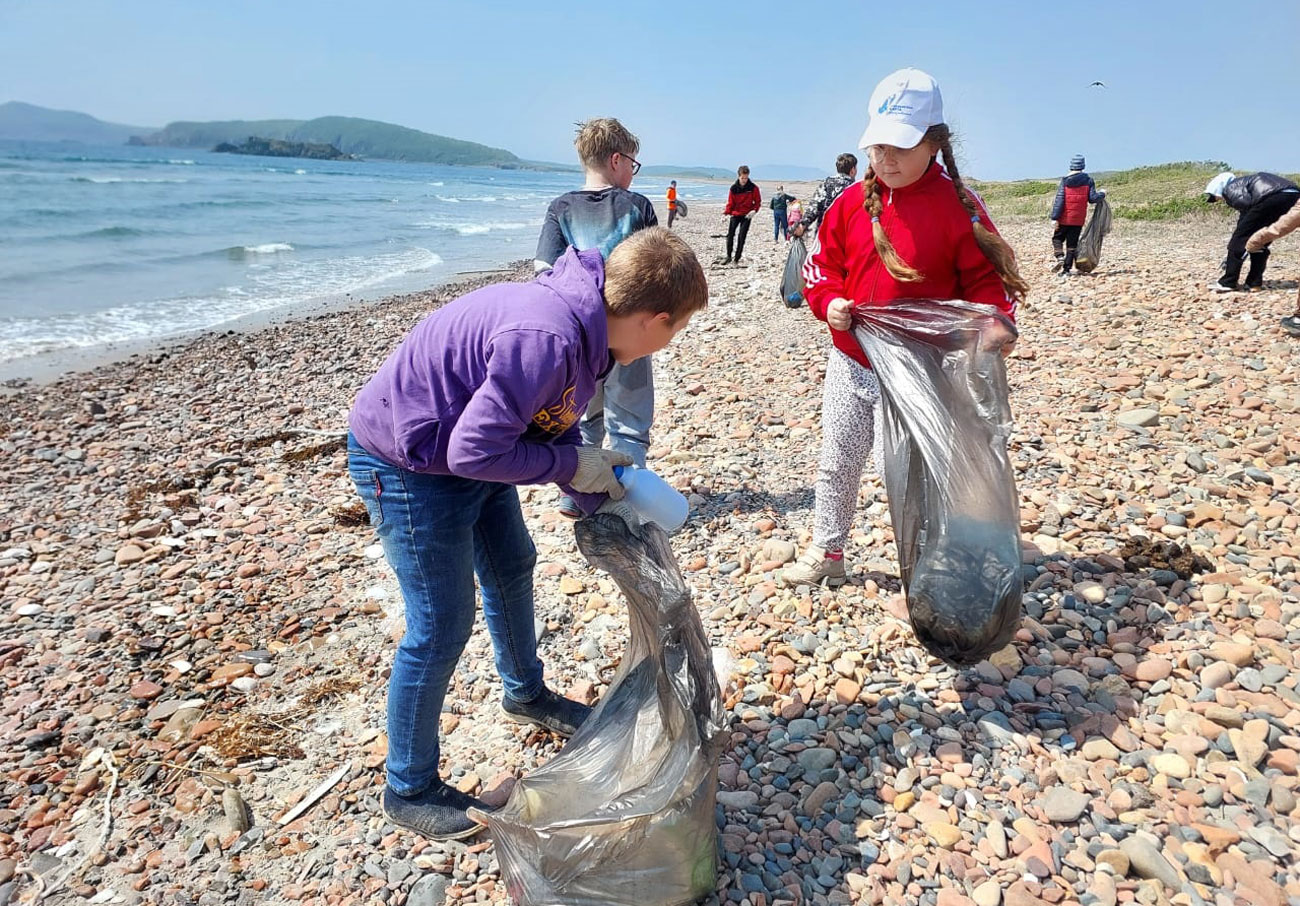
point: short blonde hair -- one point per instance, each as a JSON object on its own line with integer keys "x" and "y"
{"x": 601, "y": 138}
{"x": 654, "y": 271}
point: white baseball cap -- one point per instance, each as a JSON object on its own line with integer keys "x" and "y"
{"x": 1219, "y": 183}
{"x": 904, "y": 105}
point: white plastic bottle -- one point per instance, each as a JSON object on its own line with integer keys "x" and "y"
{"x": 653, "y": 498}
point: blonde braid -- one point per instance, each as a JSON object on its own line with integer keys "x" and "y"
{"x": 994, "y": 247}
{"x": 899, "y": 269}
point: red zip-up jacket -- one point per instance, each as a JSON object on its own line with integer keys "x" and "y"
{"x": 929, "y": 229}
{"x": 740, "y": 201}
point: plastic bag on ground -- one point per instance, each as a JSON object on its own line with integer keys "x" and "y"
{"x": 792, "y": 277}
{"x": 1094, "y": 231}
{"x": 625, "y": 813}
{"x": 952, "y": 493}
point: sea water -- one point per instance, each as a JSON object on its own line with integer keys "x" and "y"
{"x": 116, "y": 244}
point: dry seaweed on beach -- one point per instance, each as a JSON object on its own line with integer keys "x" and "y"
{"x": 254, "y": 735}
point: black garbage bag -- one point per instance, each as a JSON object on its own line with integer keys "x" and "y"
{"x": 792, "y": 277}
{"x": 1094, "y": 232}
{"x": 625, "y": 814}
{"x": 952, "y": 492}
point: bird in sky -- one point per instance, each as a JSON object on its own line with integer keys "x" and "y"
{"x": 1097, "y": 85}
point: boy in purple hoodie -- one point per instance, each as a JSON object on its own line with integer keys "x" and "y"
{"x": 483, "y": 395}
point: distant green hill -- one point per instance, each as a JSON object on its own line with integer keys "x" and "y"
{"x": 1161, "y": 192}
{"x": 28, "y": 122}
{"x": 367, "y": 138}
{"x": 689, "y": 172}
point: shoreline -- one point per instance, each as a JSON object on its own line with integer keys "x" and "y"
{"x": 45, "y": 369}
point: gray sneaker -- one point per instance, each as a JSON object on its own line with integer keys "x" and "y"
{"x": 549, "y": 711}
{"x": 436, "y": 814}
{"x": 814, "y": 568}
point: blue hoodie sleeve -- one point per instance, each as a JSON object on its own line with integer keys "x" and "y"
{"x": 1093, "y": 195}
{"x": 488, "y": 441}
{"x": 1058, "y": 205}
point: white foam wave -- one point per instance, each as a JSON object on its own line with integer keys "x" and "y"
{"x": 268, "y": 248}
{"x": 438, "y": 183}
{"x": 299, "y": 172}
{"x": 188, "y": 163}
{"x": 104, "y": 180}
{"x": 477, "y": 229}
{"x": 295, "y": 284}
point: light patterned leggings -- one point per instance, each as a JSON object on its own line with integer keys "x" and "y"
{"x": 850, "y": 402}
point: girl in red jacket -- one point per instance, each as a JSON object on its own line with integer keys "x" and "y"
{"x": 910, "y": 230}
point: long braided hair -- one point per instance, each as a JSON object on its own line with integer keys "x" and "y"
{"x": 994, "y": 247}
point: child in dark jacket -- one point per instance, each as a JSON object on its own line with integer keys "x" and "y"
{"x": 483, "y": 395}
{"x": 1070, "y": 210}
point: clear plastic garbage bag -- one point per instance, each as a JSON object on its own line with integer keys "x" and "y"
{"x": 792, "y": 277}
{"x": 952, "y": 493}
{"x": 1094, "y": 232}
{"x": 625, "y": 814}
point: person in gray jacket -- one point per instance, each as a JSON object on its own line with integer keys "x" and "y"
{"x": 1262, "y": 199}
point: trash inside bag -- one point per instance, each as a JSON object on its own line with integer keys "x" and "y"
{"x": 952, "y": 492}
{"x": 1090, "y": 240}
{"x": 625, "y": 814}
{"x": 792, "y": 277}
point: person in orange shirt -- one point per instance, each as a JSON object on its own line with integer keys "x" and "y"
{"x": 672, "y": 202}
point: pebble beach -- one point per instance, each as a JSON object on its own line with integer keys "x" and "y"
{"x": 196, "y": 623}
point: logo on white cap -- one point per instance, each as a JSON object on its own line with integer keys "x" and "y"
{"x": 904, "y": 105}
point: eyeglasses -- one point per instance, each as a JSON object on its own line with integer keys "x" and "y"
{"x": 636, "y": 164}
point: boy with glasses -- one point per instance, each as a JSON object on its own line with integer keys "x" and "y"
{"x": 599, "y": 216}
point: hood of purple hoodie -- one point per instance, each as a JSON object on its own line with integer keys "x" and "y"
{"x": 523, "y": 358}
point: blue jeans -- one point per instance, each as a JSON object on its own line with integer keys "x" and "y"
{"x": 625, "y": 404}
{"x": 438, "y": 531}
{"x": 781, "y": 225}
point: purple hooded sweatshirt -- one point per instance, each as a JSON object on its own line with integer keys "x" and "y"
{"x": 491, "y": 385}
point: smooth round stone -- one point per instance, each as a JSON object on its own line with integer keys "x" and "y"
{"x": 1063, "y": 805}
{"x": 244, "y": 684}
{"x": 1217, "y": 674}
{"x": 1172, "y": 764}
{"x": 1100, "y": 749}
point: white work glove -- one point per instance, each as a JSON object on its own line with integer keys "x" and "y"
{"x": 595, "y": 473}
{"x": 622, "y": 510}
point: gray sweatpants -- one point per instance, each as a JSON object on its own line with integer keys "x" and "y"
{"x": 624, "y": 405}
{"x": 850, "y": 402}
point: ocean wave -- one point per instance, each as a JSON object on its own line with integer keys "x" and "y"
{"x": 266, "y": 248}
{"x": 102, "y": 180}
{"x": 438, "y": 183}
{"x": 184, "y": 163}
{"x": 113, "y": 232}
{"x": 477, "y": 229}
{"x": 294, "y": 285}
{"x": 299, "y": 172}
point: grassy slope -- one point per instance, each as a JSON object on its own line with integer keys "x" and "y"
{"x": 1163, "y": 192}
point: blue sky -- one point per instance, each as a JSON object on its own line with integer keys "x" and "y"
{"x": 700, "y": 83}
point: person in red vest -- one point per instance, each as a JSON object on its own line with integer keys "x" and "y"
{"x": 1070, "y": 210}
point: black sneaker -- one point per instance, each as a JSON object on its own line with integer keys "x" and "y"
{"x": 1291, "y": 324}
{"x": 562, "y": 716}
{"x": 436, "y": 814}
